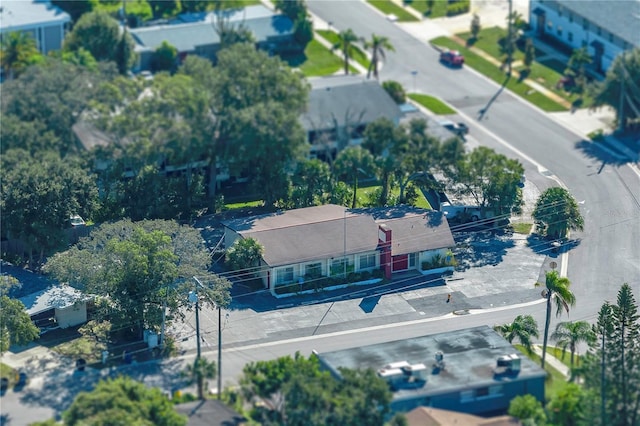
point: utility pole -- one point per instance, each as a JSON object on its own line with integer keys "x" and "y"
{"x": 621, "y": 109}
{"x": 602, "y": 386}
{"x": 219, "y": 352}
{"x": 510, "y": 38}
{"x": 193, "y": 297}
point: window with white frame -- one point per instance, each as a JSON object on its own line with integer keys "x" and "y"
{"x": 313, "y": 270}
{"x": 368, "y": 261}
{"x": 284, "y": 275}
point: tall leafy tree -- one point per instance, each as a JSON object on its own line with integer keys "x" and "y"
{"x": 570, "y": 334}
{"x": 200, "y": 370}
{"x": 39, "y": 195}
{"x": 18, "y": 50}
{"x": 124, "y": 54}
{"x": 244, "y": 256}
{"x": 345, "y": 43}
{"x": 524, "y": 328}
{"x": 312, "y": 183}
{"x": 379, "y": 45}
{"x": 164, "y": 58}
{"x": 610, "y": 366}
{"x": 350, "y": 164}
{"x": 572, "y": 406}
{"x": 99, "y": 33}
{"x": 16, "y": 327}
{"x": 54, "y": 93}
{"x": 556, "y": 213}
{"x": 380, "y": 139}
{"x": 490, "y": 178}
{"x": 620, "y": 89}
{"x": 556, "y": 292}
{"x": 122, "y": 401}
{"x": 294, "y": 391}
{"x": 138, "y": 267}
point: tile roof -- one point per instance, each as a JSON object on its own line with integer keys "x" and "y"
{"x": 347, "y": 99}
{"x": 24, "y": 14}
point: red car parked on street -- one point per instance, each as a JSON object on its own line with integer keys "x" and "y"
{"x": 452, "y": 58}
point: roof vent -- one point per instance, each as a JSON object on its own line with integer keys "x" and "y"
{"x": 402, "y": 374}
{"x": 509, "y": 363}
{"x": 439, "y": 364}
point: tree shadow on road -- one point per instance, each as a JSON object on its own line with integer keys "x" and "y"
{"x": 594, "y": 150}
{"x": 475, "y": 249}
{"x": 551, "y": 247}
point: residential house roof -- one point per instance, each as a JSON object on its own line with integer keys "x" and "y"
{"x": 17, "y": 15}
{"x": 30, "y": 282}
{"x": 194, "y": 30}
{"x": 414, "y": 229}
{"x": 622, "y": 18}
{"x": 470, "y": 356}
{"x": 428, "y": 416}
{"x": 308, "y": 234}
{"x": 59, "y": 297}
{"x": 347, "y": 100}
{"x": 210, "y": 412}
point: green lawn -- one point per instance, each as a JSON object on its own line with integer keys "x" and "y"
{"x": 315, "y": 61}
{"x": 555, "y": 380}
{"x": 8, "y": 372}
{"x": 388, "y": 7}
{"x": 362, "y": 195}
{"x": 439, "y": 8}
{"x": 258, "y": 203}
{"x": 431, "y": 103}
{"x": 493, "y": 72}
{"x": 81, "y": 347}
{"x": 522, "y": 228}
{"x": 358, "y": 55}
{"x": 557, "y": 353}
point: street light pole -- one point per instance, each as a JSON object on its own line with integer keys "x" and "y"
{"x": 414, "y": 74}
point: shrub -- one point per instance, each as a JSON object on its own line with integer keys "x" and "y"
{"x": 395, "y": 90}
{"x": 458, "y": 8}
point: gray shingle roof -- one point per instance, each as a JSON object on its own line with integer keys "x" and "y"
{"x": 316, "y": 233}
{"x": 414, "y": 229}
{"x": 343, "y": 99}
{"x": 312, "y": 233}
{"x": 187, "y": 36}
{"x": 620, "y": 17}
{"x": 21, "y": 14}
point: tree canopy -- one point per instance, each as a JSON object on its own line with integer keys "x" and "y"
{"x": 39, "y": 195}
{"x": 556, "y": 213}
{"x": 620, "y": 88}
{"x": 18, "y": 50}
{"x": 16, "y": 327}
{"x": 122, "y": 401}
{"x": 294, "y": 390}
{"x": 135, "y": 267}
{"x": 99, "y": 34}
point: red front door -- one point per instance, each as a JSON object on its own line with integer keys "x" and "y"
{"x": 400, "y": 263}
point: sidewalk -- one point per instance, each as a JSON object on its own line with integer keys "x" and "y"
{"x": 553, "y": 361}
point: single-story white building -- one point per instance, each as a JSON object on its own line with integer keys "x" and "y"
{"x": 62, "y": 303}
{"x": 333, "y": 241}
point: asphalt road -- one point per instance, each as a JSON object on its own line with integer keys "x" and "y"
{"x": 608, "y": 252}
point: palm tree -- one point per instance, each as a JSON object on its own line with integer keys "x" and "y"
{"x": 198, "y": 371}
{"x": 377, "y": 44}
{"x": 18, "y": 51}
{"x": 556, "y": 289}
{"x": 570, "y": 334}
{"x": 524, "y": 328}
{"x": 345, "y": 42}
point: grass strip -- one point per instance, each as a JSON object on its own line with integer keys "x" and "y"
{"x": 315, "y": 61}
{"x": 431, "y": 103}
{"x": 493, "y": 72}
{"x": 390, "y": 8}
{"x": 357, "y": 54}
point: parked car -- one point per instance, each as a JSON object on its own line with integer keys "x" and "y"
{"x": 459, "y": 129}
{"x": 452, "y": 58}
